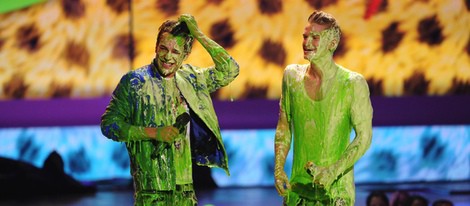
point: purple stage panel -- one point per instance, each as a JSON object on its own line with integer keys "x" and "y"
{"x": 396, "y": 111}
{"x": 239, "y": 114}
{"x": 52, "y": 112}
{"x": 421, "y": 110}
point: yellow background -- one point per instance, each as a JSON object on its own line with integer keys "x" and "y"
{"x": 80, "y": 49}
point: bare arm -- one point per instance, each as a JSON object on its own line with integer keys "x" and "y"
{"x": 282, "y": 143}
{"x": 282, "y": 140}
{"x": 361, "y": 119}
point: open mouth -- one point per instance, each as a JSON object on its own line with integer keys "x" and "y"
{"x": 167, "y": 65}
{"x": 308, "y": 49}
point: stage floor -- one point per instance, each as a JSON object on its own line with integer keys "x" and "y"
{"x": 459, "y": 193}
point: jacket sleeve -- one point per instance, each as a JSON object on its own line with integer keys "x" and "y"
{"x": 225, "y": 69}
{"x": 222, "y": 73}
{"x": 115, "y": 122}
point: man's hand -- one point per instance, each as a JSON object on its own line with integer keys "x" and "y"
{"x": 311, "y": 168}
{"x": 191, "y": 23}
{"x": 281, "y": 182}
{"x": 321, "y": 176}
{"x": 166, "y": 134}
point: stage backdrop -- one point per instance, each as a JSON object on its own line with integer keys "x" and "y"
{"x": 61, "y": 59}
{"x": 81, "y": 48}
{"x": 396, "y": 155}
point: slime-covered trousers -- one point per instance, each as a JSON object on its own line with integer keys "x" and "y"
{"x": 181, "y": 196}
{"x": 305, "y": 195}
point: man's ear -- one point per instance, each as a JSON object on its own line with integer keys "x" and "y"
{"x": 333, "y": 44}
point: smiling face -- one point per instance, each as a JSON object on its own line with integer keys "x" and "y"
{"x": 314, "y": 41}
{"x": 170, "y": 54}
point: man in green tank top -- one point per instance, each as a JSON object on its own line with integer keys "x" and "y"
{"x": 321, "y": 103}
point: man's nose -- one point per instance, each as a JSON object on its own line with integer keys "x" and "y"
{"x": 167, "y": 56}
{"x": 309, "y": 41}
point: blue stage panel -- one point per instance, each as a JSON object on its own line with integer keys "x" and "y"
{"x": 397, "y": 154}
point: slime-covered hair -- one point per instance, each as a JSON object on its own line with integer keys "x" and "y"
{"x": 177, "y": 28}
{"x": 326, "y": 19}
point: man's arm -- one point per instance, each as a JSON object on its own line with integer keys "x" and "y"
{"x": 281, "y": 149}
{"x": 282, "y": 141}
{"x": 361, "y": 119}
{"x": 115, "y": 121}
{"x": 226, "y": 68}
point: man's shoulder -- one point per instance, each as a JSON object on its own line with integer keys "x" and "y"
{"x": 296, "y": 67}
{"x": 188, "y": 69}
{"x": 355, "y": 79}
{"x": 137, "y": 75}
{"x": 141, "y": 71}
{"x": 294, "y": 71}
{"x": 351, "y": 75}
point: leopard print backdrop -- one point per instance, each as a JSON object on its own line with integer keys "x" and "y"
{"x": 80, "y": 48}
{"x": 64, "y": 48}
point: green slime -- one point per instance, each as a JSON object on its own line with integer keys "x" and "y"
{"x": 323, "y": 155}
{"x": 145, "y": 99}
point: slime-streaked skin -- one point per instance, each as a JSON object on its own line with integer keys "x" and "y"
{"x": 145, "y": 104}
{"x": 320, "y": 104}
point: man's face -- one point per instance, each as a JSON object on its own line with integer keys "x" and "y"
{"x": 170, "y": 54}
{"x": 315, "y": 43}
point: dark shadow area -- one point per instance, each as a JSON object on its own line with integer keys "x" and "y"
{"x": 23, "y": 181}
{"x": 202, "y": 178}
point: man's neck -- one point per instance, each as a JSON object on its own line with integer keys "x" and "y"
{"x": 325, "y": 69}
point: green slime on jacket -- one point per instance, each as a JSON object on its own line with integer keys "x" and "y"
{"x": 139, "y": 101}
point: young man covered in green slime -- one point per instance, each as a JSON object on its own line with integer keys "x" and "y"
{"x": 320, "y": 104}
{"x": 144, "y": 108}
